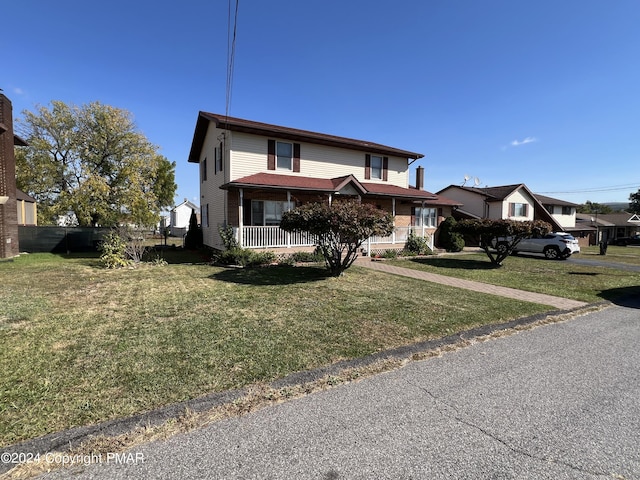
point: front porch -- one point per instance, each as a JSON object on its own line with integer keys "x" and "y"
{"x": 275, "y": 237}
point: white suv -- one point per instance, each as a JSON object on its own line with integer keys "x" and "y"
{"x": 558, "y": 245}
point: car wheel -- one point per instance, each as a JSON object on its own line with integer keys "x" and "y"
{"x": 552, "y": 253}
{"x": 502, "y": 248}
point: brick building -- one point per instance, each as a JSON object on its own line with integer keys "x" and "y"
{"x": 9, "y": 246}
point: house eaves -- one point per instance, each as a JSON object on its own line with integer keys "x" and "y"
{"x": 286, "y": 133}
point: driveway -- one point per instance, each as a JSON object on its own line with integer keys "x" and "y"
{"x": 557, "y": 402}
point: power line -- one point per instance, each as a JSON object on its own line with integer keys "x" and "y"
{"x": 612, "y": 188}
{"x": 231, "y": 53}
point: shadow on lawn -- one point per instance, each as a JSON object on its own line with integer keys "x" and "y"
{"x": 275, "y": 275}
{"x": 458, "y": 263}
{"x": 178, "y": 255}
{"x": 623, "y": 296}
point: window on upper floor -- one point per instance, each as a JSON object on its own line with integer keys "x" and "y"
{"x": 566, "y": 211}
{"x": 284, "y": 156}
{"x": 518, "y": 209}
{"x": 203, "y": 170}
{"x": 376, "y": 167}
{"x": 219, "y": 158}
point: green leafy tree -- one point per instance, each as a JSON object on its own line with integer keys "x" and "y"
{"x": 634, "y": 202}
{"x": 340, "y": 228}
{"x": 498, "y": 238}
{"x": 93, "y": 162}
{"x": 592, "y": 207}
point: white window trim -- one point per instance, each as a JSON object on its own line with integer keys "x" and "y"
{"x": 278, "y": 167}
{"x": 372, "y": 168}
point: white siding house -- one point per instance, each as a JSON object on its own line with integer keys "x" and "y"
{"x": 512, "y": 202}
{"x": 179, "y": 218}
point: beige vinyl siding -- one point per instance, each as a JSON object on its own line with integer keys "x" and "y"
{"x": 472, "y": 202}
{"x": 318, "y": 161}
{"x": 518, "y": 197}
{"x": 210, "y": 192}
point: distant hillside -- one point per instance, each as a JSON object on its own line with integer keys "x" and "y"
{"x": 617, "y": 206}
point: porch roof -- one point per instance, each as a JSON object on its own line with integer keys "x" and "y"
{"x": 333, "y": 185}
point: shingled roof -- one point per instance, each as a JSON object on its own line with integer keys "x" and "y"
{"x": 330, "y": 185}
{"x": 249, "y": 126}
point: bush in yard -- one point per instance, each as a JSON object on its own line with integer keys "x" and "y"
{"x": 121, "y": 247}
{"x": 487, "y": 232}
{"x": 307, "y": 257}
{"x": 245, "y": 257}
{"x": 449, "y": 239}
{"x": 113, "y": 250}
{"x": 340, "y": 228}
{"x": 228, "y": 238}
{"x": 258, "y": 259}
{"x": 416, "y": 245}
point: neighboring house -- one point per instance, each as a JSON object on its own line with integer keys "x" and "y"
{"x": 562, "y": 211}
{"x": 608, "y": 227}
{"x": 179, "y": 218}
{"x": 251, "y": 172}
{"x": 27, "y": 209}
{"x": 508, "y": 202}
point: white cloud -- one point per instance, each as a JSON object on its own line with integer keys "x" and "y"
{"x": 517, "y": 143}
{"x": 18, "y": 91}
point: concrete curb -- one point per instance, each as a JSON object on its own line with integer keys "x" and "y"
{"x": 66, "y": 439}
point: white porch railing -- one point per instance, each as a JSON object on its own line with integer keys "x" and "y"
{"x": 274, "y": 236}
{"x": 400, "y": 236}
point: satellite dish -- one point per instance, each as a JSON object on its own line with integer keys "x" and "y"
{"x": 466, "y": 179}
{"x": 476, "y": 181}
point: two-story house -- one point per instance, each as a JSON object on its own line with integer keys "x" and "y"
{"x": 513, "y": 202}
{"x": 180, "y": 216}
{"x": 252, "y": 172}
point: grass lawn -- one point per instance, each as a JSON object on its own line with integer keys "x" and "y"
{"x": 81, "y": 344}
{"x": 537, "y": 274}
{"x": 614, "y": 254}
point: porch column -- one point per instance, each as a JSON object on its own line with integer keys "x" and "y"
{"x": 288, "y": 210}
{"x": 422, "y": 219}
{"x": 393, "y": 212}
{"x": 330, "y": 198}
{"x": 240, "y": 219}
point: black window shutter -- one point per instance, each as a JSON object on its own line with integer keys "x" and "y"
{"x": 385, "y": 168}
{"x": 221, "y": 157}
{"x": 296, "y": 157}
{"x": 367, "y": 166}
{"x": 271, "y": 155}
{"x": 413, "y": 216}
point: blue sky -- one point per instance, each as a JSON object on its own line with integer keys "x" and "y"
{"x": 545, "y": 93}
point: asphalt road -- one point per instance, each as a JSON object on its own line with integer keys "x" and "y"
{"x": 556, "y": 402}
